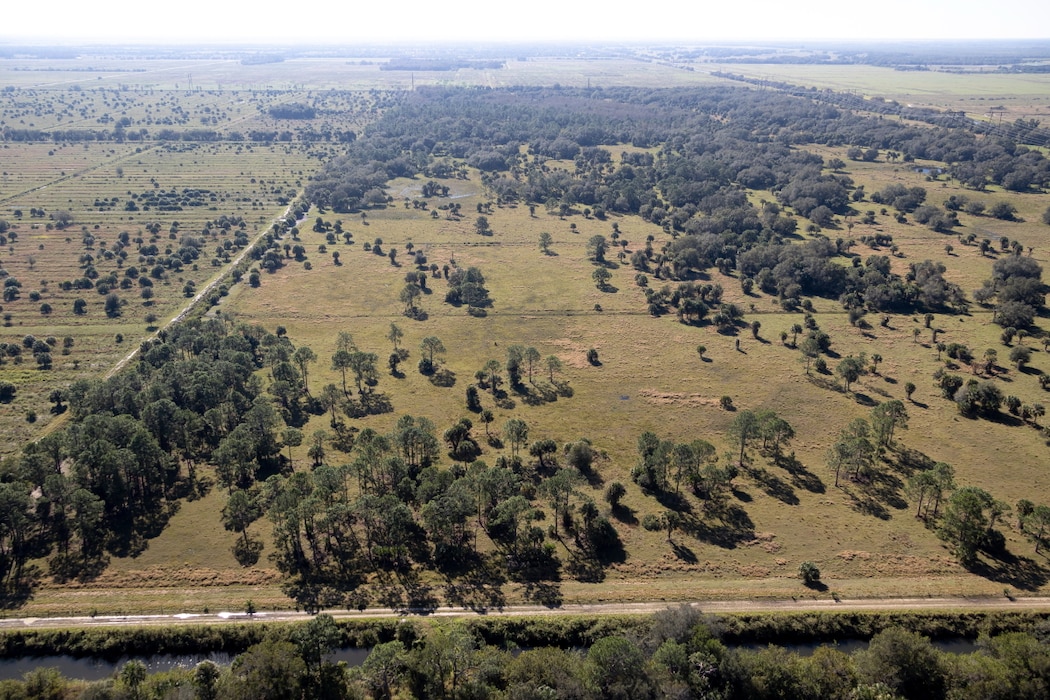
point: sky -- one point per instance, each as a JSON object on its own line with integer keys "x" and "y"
{"x": 414, "y": 21}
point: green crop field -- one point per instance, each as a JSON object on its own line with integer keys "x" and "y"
{"x": 864, "y": 536}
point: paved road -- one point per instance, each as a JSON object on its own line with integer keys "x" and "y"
{"x": 720, "y": 606}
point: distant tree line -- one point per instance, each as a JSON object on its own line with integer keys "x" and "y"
{"x": 694, "y": 187}
{"x": 439, "y": 64}
{"x": 292, "y": 110}
{"x": 959, "y": 133}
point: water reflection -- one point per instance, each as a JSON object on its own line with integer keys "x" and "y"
{"x": 93, "y": 669}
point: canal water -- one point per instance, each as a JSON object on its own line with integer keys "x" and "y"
{"x": 93, "y": 669}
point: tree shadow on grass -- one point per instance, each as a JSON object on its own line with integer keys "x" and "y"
{"x": 733, "y": 527}
{"x": 531, "y": 399}
{"x": 480, "y": 589}
{"x": 673, "y": 501}
{"x": 887, "y": 488}
{"x": 79, "y": 567}
{"x": 456, "y": 560}
{"x": 130, "y": 535}
{"x": 537, "y": 394}
{"x": 543, "y": 593}
{"x": 444, "y": 377}
{"x": 547, "y": 392}
{"x": 598, "y": 546}
{"x": 186, "y": 487}
{"x": 624, "y": 514}
{"x": 773, "y": 485}
{"x": 683, "y": 552}
{"x": 1008, "y": 568}
{"x": 15, "y": 594}
{"x": 800, "y": 476}
{"x": 368, "y": 404}
{"x": 907, "y": 461}
{"x": 1002, "y": 418}
{"x": 865, "y": 503}
{"x": 742, "y": 496}
{"x": 592, "y": 476}
{"x": 539, "y": 576}
{"x": 585, "y": 569}
{"x": 824, "y": 383}
{"x": 864, "y": 399}
{"x": 411, "y": 595}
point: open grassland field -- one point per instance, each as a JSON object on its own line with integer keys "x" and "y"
{"x": 179, "y": 77}
{"x": 1024, "y": 96}
{"x": 651, "y": 378}
{"x": 647, "y": 375}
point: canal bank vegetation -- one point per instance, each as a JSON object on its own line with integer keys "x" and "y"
{"x": 563, "y": 631}
{"x": 679, "y": 652}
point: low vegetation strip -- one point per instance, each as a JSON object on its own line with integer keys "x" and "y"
{"x": 676, "y": 652}
{"x": 558, "y": 629}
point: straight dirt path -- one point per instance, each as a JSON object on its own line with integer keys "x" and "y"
{"x": 715, "y": 607}
{"x": 181, "y": 314}
{"x": 204, "y": 293}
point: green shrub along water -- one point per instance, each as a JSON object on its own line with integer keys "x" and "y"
{"x": 202, "y": 639}
{"x": 786, "y": 628}
{"x": 679, "y": 652}
{"x": 562, "y": 631}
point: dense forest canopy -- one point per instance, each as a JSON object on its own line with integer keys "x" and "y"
{"x": 686, "y": 160}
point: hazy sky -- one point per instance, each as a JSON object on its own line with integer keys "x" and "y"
{"x": 475, "y": 20}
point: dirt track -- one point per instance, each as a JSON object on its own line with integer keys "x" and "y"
{"x": 717, "y": 607}
{"x": 201, "y": 295}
